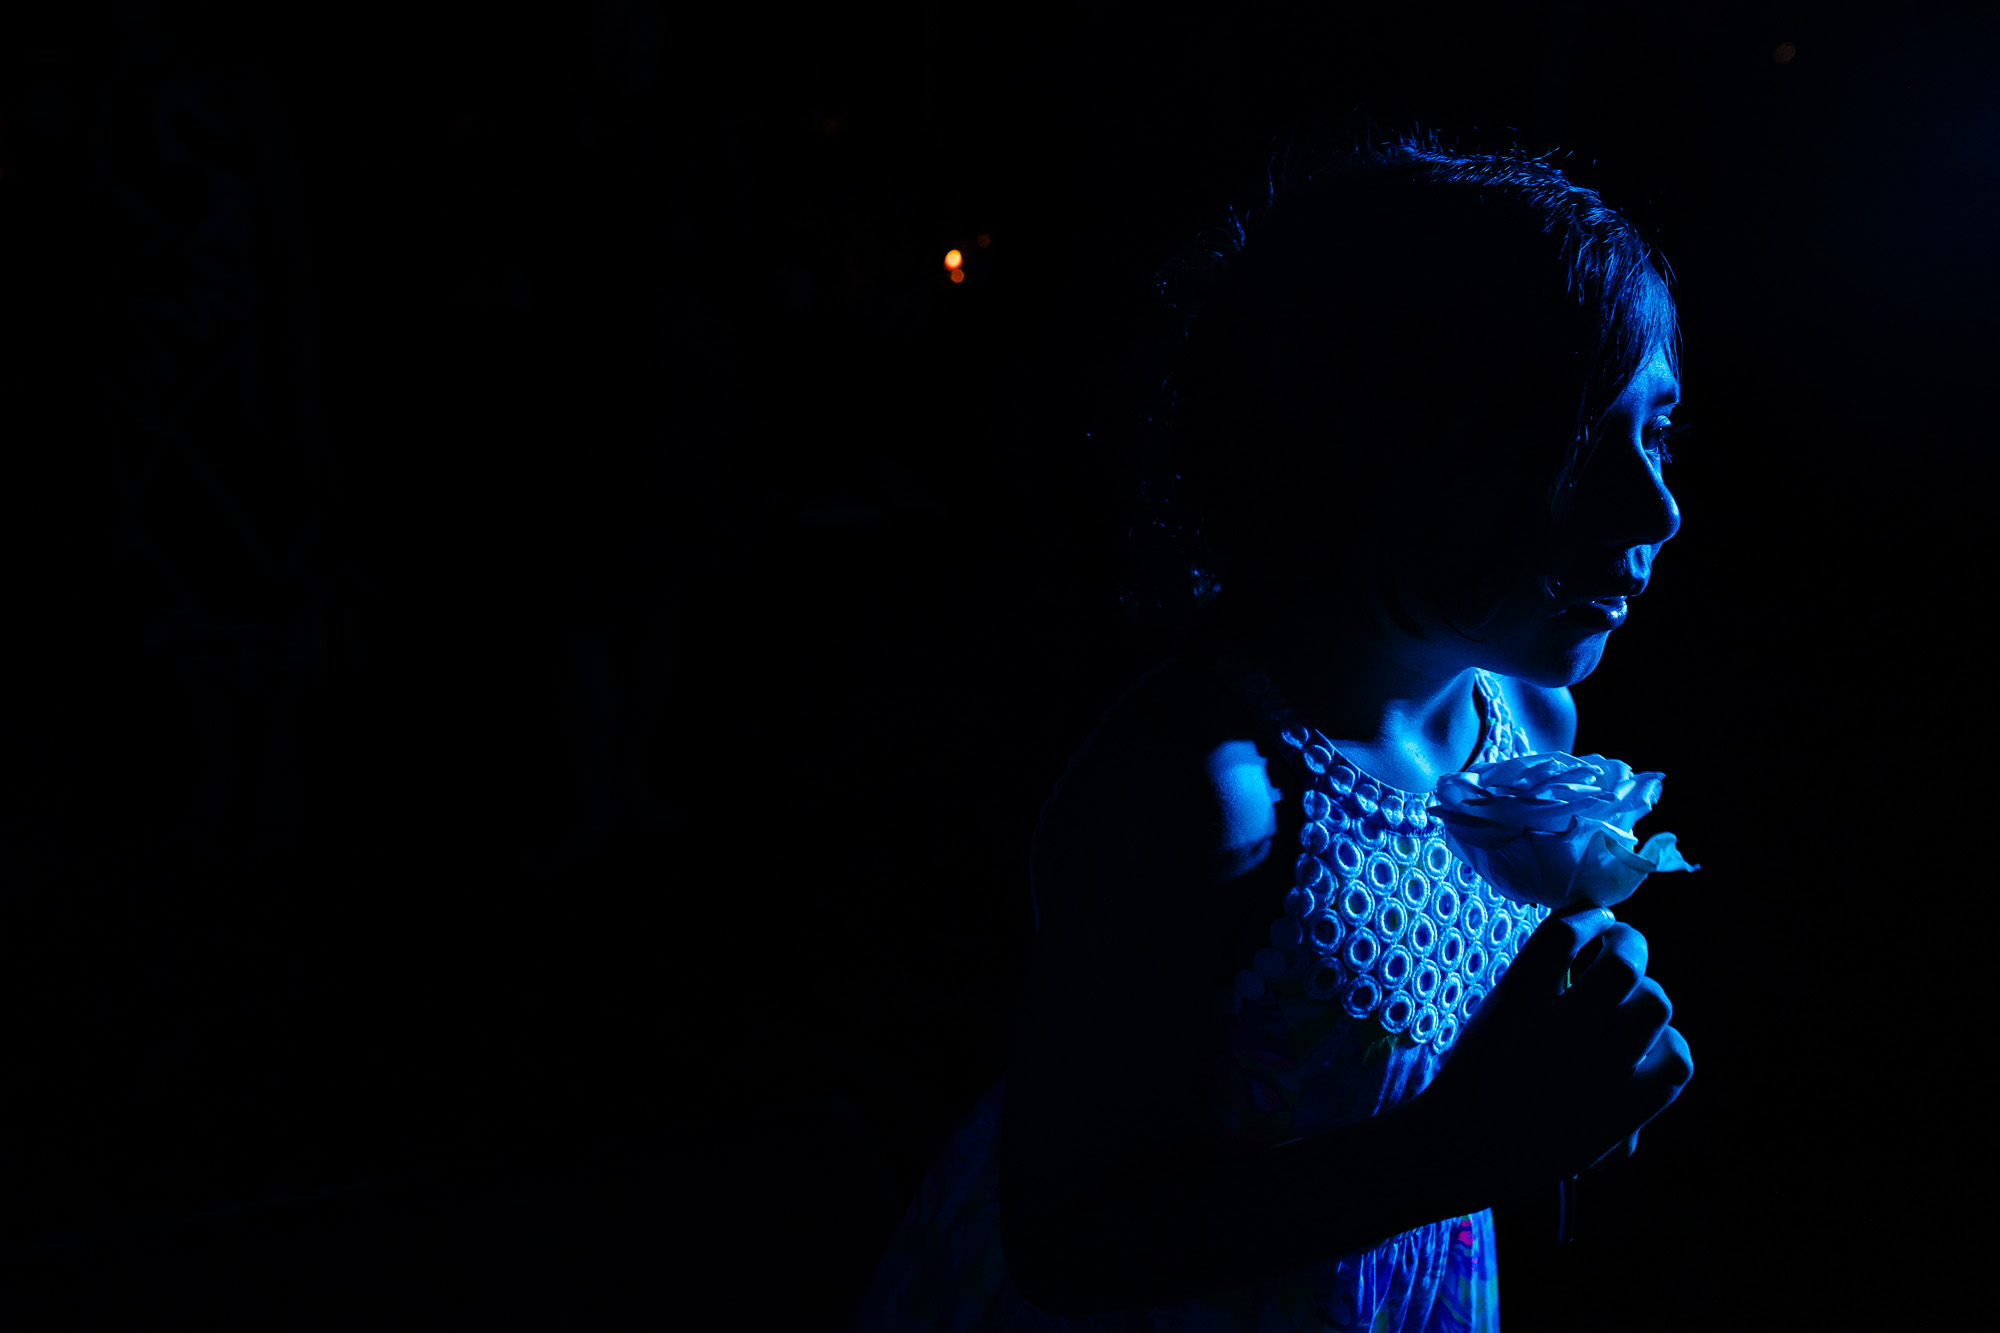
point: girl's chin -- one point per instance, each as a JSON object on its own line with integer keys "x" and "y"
{"x": 1558, "y": 666}
{"x": 1583, "y": 659}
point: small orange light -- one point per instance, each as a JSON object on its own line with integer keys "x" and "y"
{"x": 958, "y": 275}
{"x": 984, "y": 240}
{"x": 1783, "y": 55}
{"x": 952, "y": 259}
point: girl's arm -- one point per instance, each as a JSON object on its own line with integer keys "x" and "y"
{"x": 1114, "y": 1193}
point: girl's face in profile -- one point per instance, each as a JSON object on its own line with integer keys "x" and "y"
{"x": 1620, "y": 514}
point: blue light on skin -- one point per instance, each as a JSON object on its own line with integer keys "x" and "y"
{"x": 1401, "y": 707}
{"x": 1240, "y": 778}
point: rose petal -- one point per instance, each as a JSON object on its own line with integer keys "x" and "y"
{"x": 1626, "y": 818}
{"x": 1474, "y": 831}
{"x": 1557, "y": 771}
{"x": 1548, "y": 816}
{"x": 1615, "y": 769}
{"x": 1663, "y": 850}
{"x": 1572, "y": 791}
{"x": 1608, "y": 874}
{"x": 1551, "y": 828}
{"x": 1587, "y": 826}
{"x": 1530, "y": 867}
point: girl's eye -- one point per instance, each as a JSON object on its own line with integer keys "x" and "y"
{"x": 1658, "y": 432}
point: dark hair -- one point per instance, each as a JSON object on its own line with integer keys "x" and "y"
{"x": 1394, "y": 319}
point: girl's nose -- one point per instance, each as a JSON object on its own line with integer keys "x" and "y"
{"x": 1631, "y": 502}
{"x": 1660, "y": 516}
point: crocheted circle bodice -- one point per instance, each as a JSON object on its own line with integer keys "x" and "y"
{"x": 1382, "y": 918}
{"x": 1382, "y": 948}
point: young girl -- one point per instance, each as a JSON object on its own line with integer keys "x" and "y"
{"x": 1270, "y": 1075}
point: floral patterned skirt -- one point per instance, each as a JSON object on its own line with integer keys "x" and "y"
{"x": 944, "y": 1271}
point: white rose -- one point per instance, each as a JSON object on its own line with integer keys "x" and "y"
{"x": 1554, "y": 829}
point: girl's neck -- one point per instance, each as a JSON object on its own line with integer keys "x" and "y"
{"x": 1402, "y": 710}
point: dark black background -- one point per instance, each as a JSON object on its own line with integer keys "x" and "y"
{"x": 383, "y": 1073}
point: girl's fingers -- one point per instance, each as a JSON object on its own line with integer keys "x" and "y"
{"x": 1645, "y": 1015}
{"x": 1547, "y": 955}
{"x": 1616, "y": 1155}
{"x": 1662, "y": 1074}
{"x": 1615, "y": 973}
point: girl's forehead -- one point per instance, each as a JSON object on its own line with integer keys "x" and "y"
{"x": 1654, "y": 385}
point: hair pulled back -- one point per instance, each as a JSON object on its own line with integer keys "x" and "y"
{"x": 1403, "y": 354}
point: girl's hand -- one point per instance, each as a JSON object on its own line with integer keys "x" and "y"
{"x": 1616, "y": 1155}
{"x": 1545, "y": 1082}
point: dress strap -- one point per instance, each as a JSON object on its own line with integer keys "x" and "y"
{"x": 1502, "y": 737}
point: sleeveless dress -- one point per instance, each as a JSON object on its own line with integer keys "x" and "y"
{"x": 1383, "y": 947}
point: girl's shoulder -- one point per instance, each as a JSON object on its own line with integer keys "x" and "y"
{"x": 1174, "y": 771}
{"x": 1181, "y": 702}
{"x": 1170, "y": 721}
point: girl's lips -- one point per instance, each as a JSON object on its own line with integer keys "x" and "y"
{"x": 1605, "y": 613}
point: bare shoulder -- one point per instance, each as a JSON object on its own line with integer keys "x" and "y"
{"x": 1145, "y": 866}
{"x": 1170, "y": 777}
{"x": 1150, "y": 856}
{"x": 1549, "y": 715}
